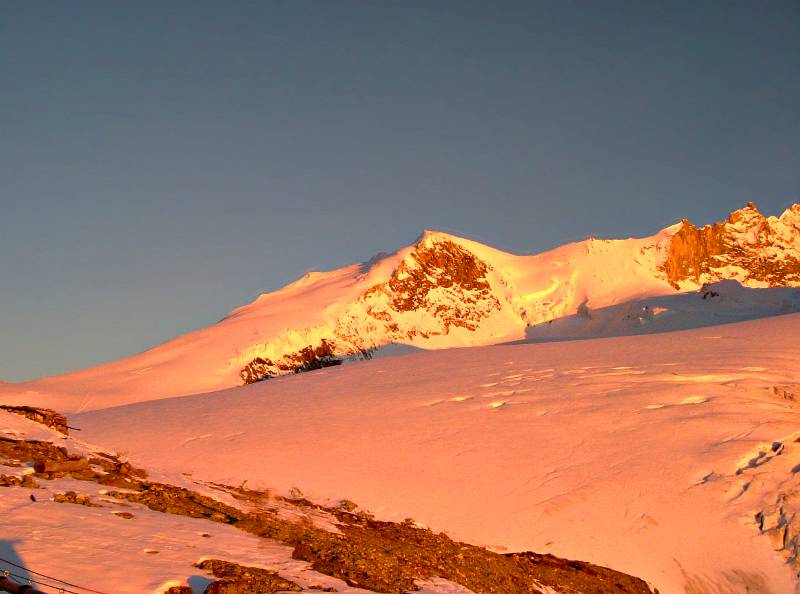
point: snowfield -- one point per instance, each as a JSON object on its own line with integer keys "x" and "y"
{"x": 98, "y": 547}
{"x": 650, "y": 454}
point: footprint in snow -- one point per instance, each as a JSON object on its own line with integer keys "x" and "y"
{"x": 513, "y": 376}
{"x": 688, "y": 400}
{"x": 500, "y": 393}
{"x": 432, "y": 402}
{"x": 196, "y": 437}
{"x": 460, "y": 398}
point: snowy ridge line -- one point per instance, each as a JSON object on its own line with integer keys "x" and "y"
{"x": 444, "y": 292}
{"x": 59, "y": 588}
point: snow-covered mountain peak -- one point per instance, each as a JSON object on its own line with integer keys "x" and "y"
{"x": 433, "y": 235}
{"x": 443, "y": 291}
{"x": 790, "y": 217}
{"x": 749, "y": 213}
{"x": 430, "y": 238}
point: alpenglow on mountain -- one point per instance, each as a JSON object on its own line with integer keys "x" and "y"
{"x": 441, "y": 292}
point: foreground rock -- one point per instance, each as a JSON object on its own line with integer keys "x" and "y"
{"x": 237, "y": 579}
{"x": 45, "y": 416}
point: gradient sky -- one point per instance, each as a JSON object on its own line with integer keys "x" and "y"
{"x": 164, "y": 162}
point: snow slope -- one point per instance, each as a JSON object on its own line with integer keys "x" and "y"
{"x": 669, "y": 456}
{"x": 717, "y": 303}
{"x": 96, "y": 548}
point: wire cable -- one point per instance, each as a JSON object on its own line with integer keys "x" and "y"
{"x": 31, "y": 581}
{"x": 49, "y": 578}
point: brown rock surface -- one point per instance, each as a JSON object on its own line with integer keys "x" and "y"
{"x": 238, "y": 579}
{"x": 748, "y": 247}
{"x": 45, "y": 416}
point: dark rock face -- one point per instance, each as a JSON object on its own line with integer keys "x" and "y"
{"x": 306, "y": 359}
{"x": 441, "y": 264}
{"x": 45, "y": 416}
{"x": 747, "y": 247}
{"x": 391, "y": 556}
{"x": 440, "y": 278}
{"x": 179, "y": 590}
{"x": 14, "y": 481}
{"x": 239, "y": 579}
{"x": 51, "y": 461}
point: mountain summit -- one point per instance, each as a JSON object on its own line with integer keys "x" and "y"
{"x": 443, "y": 291}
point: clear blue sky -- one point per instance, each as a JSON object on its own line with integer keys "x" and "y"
{"x": 164, "y": 162}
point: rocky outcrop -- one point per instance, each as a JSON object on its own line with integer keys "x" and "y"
{"x": 45, "y": 416}
{"x": 308, "y": 358}
{"x": 239, "y": 579}
{"x": 440, "y": 279}
{"x": 756, "y": 250}
{"x": 437, "y": 265}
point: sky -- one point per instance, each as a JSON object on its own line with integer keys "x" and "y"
{"x": 164, "y": 162}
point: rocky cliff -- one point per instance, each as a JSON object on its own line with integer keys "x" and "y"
{"x": 755, "y": 250}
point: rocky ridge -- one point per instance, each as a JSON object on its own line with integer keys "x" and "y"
{"x": 755, "y": 250}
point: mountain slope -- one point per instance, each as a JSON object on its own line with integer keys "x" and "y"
{"x": 441, "y": 292}
{"x": 672, "y": 456}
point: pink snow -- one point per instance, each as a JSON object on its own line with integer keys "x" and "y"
{"x": 620, "y": 451}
